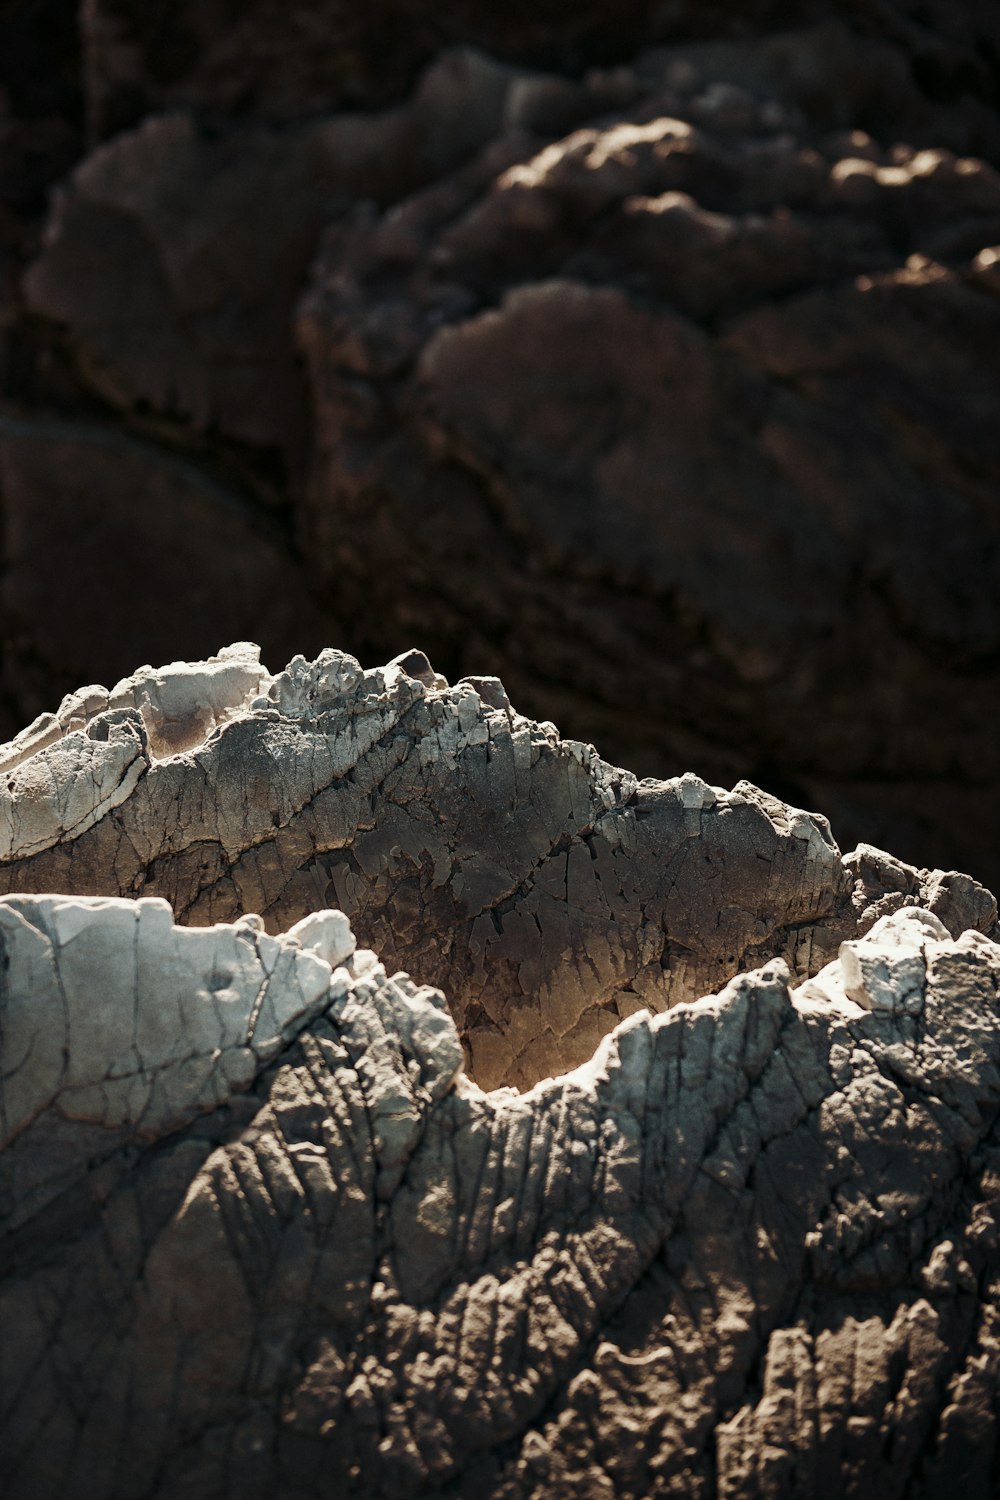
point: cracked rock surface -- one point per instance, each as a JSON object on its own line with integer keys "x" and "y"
{"x": 748, "y": 1250}
{"x": 547, "y": 892}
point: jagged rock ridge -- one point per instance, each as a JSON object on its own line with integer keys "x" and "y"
{"x": 262, "y": 1231}
{"x": 548, "y": 893}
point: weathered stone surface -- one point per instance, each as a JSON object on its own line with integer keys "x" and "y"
{"x": 549, "y": 893}
{"x": 749, "y": 1250}
{"x": 663, "y": 396}
{"x": 117, "y": 1019}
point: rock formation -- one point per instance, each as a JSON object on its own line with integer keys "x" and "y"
{"x": 548, "y": 893}
{"x": 262, "y": 1235}
{"x": 683, "y": 317}
{"x": 397, "y": 1097}
{"x": 723, "y": 369}
{"x": 266, "y": 1229}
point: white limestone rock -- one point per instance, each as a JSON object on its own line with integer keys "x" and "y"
{"x": 227, "y": 1151}
{"x": 327, "y": 933}
{"x": 115, "y": 1016}
{"x": 886, "y": 970}
{"x": 114, "y": 1022}
{"x": 67, "y": 770}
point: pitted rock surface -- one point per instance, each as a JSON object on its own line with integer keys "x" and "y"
{"x": 748, "y": 1250}
{"x": 548, "y": 893}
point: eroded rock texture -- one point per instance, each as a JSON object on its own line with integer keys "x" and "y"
{"x": 641, "y": 355}
{"x": 548, "y": 893}
{"x": 280, "y": 1246}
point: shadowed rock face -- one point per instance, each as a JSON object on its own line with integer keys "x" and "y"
{"x": 548, "y": 893}
{"x": 178, "y": 289}
{"x": 726, "y": 377}
{"x": 262, "y": 1236}
{"x": 695, "y": 347}
{"x": 286, "y": 61}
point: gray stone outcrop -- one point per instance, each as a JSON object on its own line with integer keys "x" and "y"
{"x": 548, "y": 893}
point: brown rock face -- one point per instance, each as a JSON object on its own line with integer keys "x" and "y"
{"x": 644, "y": 360}
{"x": 708, "y": 386}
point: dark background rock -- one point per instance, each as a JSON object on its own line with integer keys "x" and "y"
{"x": 697, "y": 451}
{"x": 288, "y": 60}
{"x": 718, "y": 398}
{"x": 188, "y": 554}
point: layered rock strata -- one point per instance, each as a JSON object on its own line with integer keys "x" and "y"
{"x": 549, "y": 893}
{"x": 262, "y": 1236}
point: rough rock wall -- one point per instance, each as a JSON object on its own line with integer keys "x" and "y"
{"x": 548, "y": 893}
{"x": 263, "y": 1238}
{"x": 685, "y": 323}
